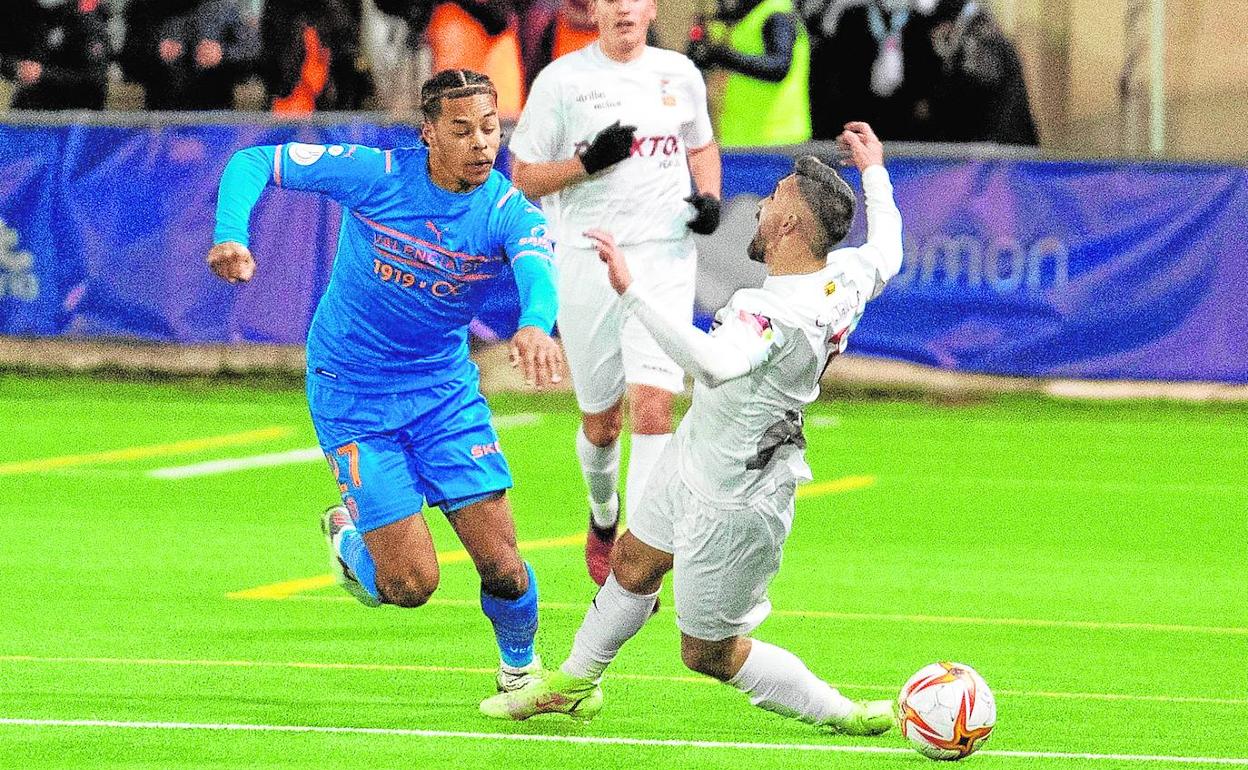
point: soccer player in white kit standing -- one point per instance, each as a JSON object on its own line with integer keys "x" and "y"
{"x": 609, "y": 138}
{"x": 720, "y": 503}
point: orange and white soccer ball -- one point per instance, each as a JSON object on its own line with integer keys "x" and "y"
{"x": 946, "y": 710}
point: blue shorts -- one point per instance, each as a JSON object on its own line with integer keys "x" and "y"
{"x": 392, "y": 453}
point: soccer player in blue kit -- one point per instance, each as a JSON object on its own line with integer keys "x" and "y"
{"x": 426, "y": 233}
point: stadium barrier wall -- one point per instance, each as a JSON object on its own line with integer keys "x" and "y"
{"x": 1014, "y": 266}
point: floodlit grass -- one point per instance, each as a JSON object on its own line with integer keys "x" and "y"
{"x": 1089, "y": 560}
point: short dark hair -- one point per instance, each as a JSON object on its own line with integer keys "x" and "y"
{"x": 829, "y": 199}
{"x": 452, "y": 84}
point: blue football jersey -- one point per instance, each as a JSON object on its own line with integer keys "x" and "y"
{"x": 413, "y": 264}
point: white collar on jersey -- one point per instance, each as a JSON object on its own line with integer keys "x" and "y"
{"x": 598, "y": 55}
{"x": 808, "y": 295}
{"x": 796, "y": 282}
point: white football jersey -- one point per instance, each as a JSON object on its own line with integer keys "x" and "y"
{"x": 747, "y": 432}
{"x": 641, "y": 198}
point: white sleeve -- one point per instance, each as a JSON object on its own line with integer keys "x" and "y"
{"x": 697, "y": 133}
{"x": 742, "y": 343}
{"x": 538, "y": 136}
{"x": 882, "y": 251}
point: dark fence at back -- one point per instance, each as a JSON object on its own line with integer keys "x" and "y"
{"x": 1088, "y": 269}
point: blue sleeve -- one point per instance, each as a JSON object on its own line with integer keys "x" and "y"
{"x": 244, "y": 178}
{"x": 523, "y": 231}
{"x": 345, "y": 173}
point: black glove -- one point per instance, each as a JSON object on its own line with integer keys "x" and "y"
{"x": 703, "y": 54}
{"x": 612, "y": 145}
{"x": 706, "y": 216}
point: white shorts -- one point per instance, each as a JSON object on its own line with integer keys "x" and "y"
{"x": 723, "y": 557}
{"x": 607, "y": 350}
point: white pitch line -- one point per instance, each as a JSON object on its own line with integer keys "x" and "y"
{"x": 296, "y": 456}
{"x": 504, "y": 421}
{"x": 680, "y": 679}
{"x": 589, "y": 740}
{"x": 213, "y": 467}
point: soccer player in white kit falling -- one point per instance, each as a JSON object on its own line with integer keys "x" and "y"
{"x": 609, "y": 138}
{"x": 720, "y": 503}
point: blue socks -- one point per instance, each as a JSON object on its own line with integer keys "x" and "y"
{"x": 515, "y": 622}
{"x": 355, "y": 553}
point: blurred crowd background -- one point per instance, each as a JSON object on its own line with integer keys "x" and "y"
{"x": 1069, "y": 75}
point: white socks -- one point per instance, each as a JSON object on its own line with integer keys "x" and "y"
{"x": 600, "y": 466}
{"x": 614, "y": 617}
{"x": 642, "y": 456}
{"x": 778, "y": 681}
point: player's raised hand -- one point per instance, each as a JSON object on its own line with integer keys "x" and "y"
{"x": 612, "y": 145}
{"x": 617, "y": 268}
{"x": 232, "y": 261}
{"x": 539, "y": 358}
{"x": 861, "y": 146}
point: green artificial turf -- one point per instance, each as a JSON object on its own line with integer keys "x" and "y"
{"x": 1091, "y": 561}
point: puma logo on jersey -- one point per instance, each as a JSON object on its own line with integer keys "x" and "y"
{"x": 434, "y": 229}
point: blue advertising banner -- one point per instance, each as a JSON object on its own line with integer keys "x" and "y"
{"x": 104, "y": 231}
{"x": 1098, "y": 270}
{"x": 36, "y": 272}
{"x": 1038, "y": 268}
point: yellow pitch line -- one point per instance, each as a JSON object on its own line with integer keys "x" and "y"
{"x": 847, "y": 484}
{"x": 289, "y": 588}
{"x": 1090, "y": 625}
{"x": 425, "y": 669}
{"x": 403, "y": 667}
{"x": 144, "y": 452}
{"x": 284, "y": 589}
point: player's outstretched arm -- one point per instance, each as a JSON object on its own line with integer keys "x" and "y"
{"x": 243, "y": 180}
{"x": 523, "y": 237}
{"x": 538, "y": 357}
{"x": 344, "y": 172}
{"x": 884, "y": 242}
{"x": 709, "y": 360}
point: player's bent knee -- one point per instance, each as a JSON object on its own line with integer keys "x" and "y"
{"x": 406, "y": 595}
{"x": 504, "y": 577}
{"x": 635, "y": 575}
{"x": 638, "y": 567}
{"x": 604, "y": 428}
{"x": 710, "y": 659}
{"x": 603, "y": 435}
{"x": 407, "y": 589}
